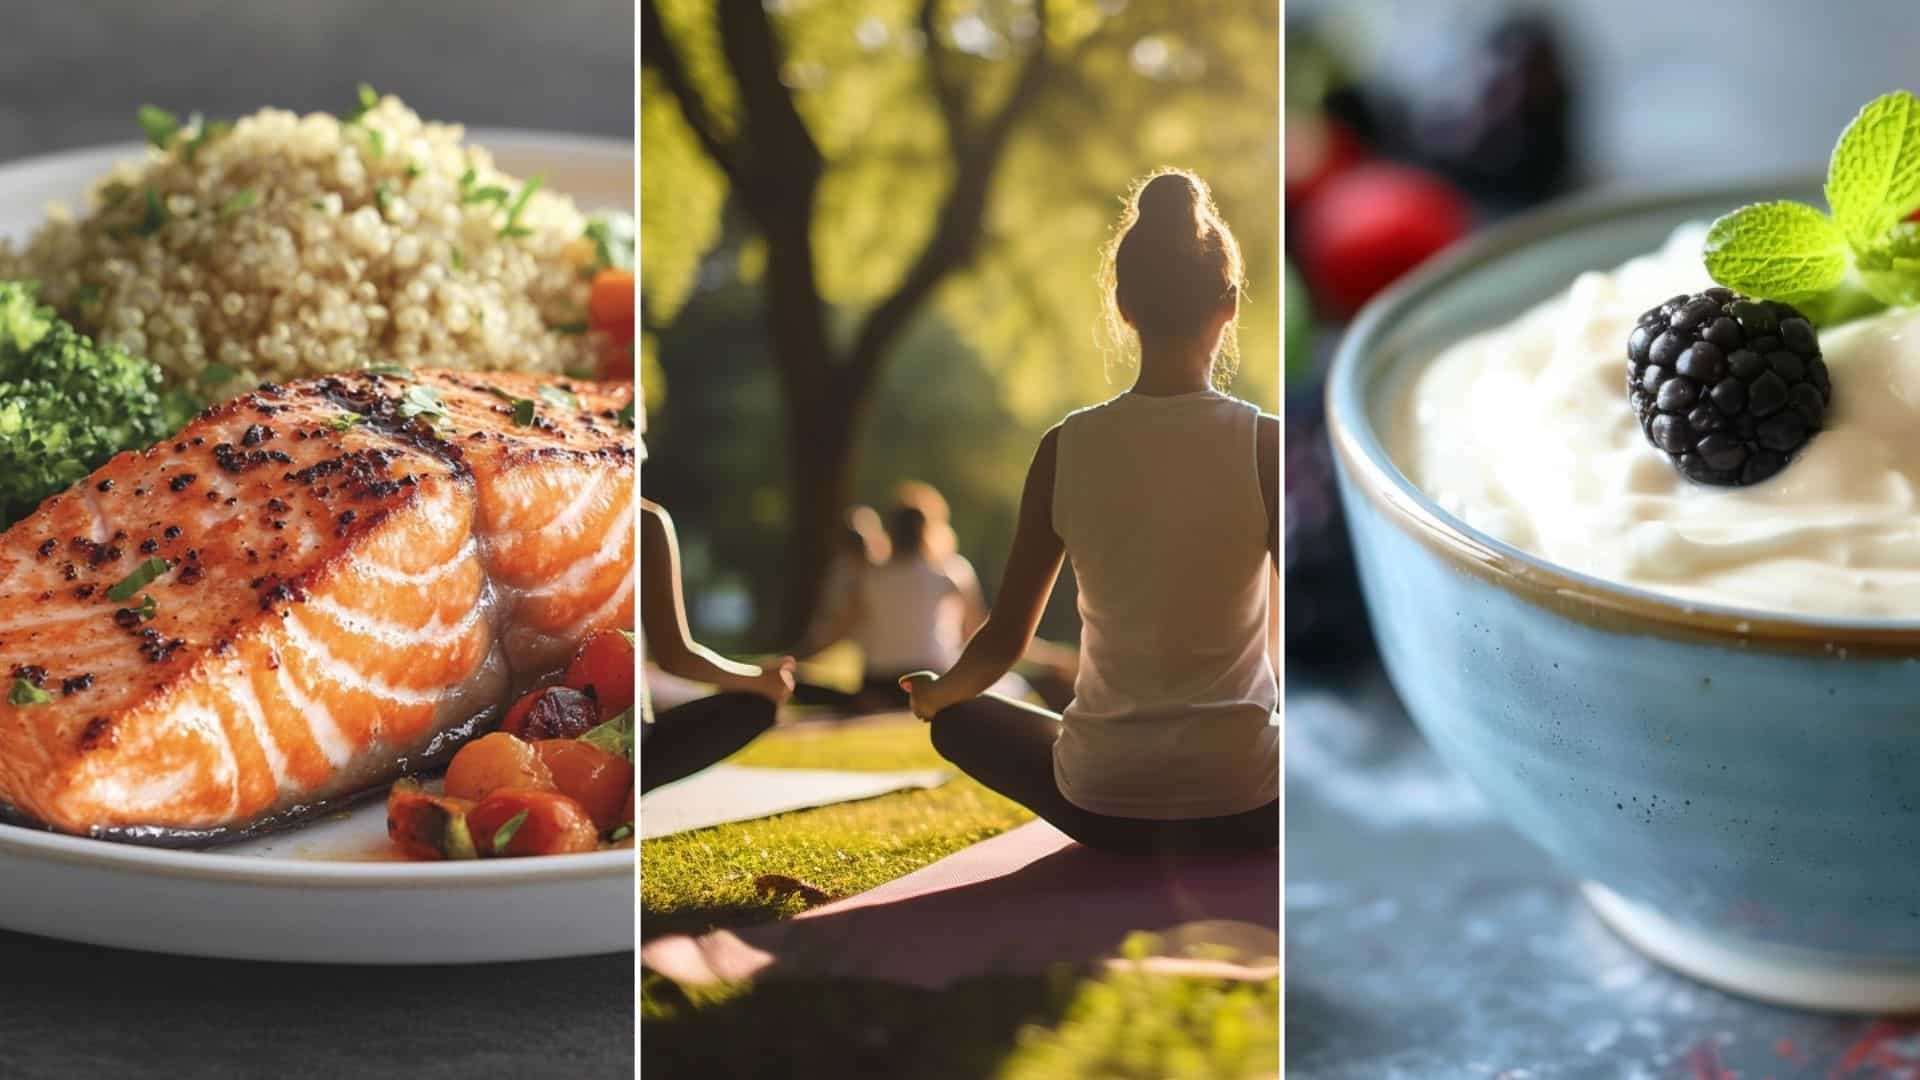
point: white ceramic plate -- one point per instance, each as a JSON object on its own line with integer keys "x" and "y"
{"x": 327, "y": 891}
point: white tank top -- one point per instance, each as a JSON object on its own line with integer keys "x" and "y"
{"x": 912, "y": 619}
{"x": 1158, "y": 501}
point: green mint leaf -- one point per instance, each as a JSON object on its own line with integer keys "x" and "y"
{"x": 1890, "y": 269}
{"x": 1777, "y": 251}
{"x": 1873, "y": 179}
{"x": 519, "y": 206}
{"x": 422, "y": 401}
{"x": 25, "y": 693}
{"x": 134, "y": 582}
{"x": 504, "y": 834}
{"x": 243, "y": 199}
{"x": 559, "y": 398}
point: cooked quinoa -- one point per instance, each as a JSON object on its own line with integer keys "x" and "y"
{"x": 289, "y": 245}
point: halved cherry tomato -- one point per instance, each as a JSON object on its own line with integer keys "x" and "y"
{"x": 590, "y": 776}
{"x": 553, "y": 712}
{"x": 428, "y": 826}
{"x": 553, "y": 824}
{"x": 604, "y": 665}
{"x": 494, "y": 761}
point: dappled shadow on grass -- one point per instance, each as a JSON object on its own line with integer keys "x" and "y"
{"x": 842, "y": 1027}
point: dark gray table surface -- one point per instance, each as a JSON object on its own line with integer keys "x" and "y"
{"x": 1426, "y": 940}
{"x": 71, "y": 74}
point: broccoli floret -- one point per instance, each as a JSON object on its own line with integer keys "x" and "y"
{"x": 66, "y": 404}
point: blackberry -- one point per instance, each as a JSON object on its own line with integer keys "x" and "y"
{"x": 1728, "y": 387}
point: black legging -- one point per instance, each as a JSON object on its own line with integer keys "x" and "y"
{"x": 1008, "y": 747}
{"x": 876, "y": 694}
{"x": 687, "y": 738}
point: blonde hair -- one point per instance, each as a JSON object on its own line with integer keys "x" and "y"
{"x": 1171, "y": 264}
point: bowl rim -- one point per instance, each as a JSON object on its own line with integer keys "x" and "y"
{"x": 1368, "y": 467}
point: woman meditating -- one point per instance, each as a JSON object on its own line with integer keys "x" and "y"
{"x": 687, "y": 738}
{"x": 1166, "y": 498}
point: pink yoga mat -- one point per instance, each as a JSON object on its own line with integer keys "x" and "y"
{"x": 1019, "y": 903}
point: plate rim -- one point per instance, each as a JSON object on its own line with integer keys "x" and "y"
{"x": 203, "y": 865}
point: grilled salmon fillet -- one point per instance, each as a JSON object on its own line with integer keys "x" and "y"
{"x": 350, "y": 575}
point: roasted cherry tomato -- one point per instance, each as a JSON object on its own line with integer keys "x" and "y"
{"x": 604, "y": 668}
{"x": 496, "y": 761}
{"x": 517, "y": 821}
{"x": 553, "y": 712}
{"x": 589, "y": 776}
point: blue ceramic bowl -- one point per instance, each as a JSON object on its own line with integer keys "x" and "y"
{"x": 1739, "y": 790}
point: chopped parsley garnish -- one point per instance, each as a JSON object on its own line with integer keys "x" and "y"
{"x": 345, "y": 420}
{"x": 492, "y": 193}
{"x": 459, "y": 261}
{"x": 134, "y": 582}
{"x": 615, "y": 736}
{"x": 156, "y": 216}
{"x": 147, "y": 608}
{"x": 504, "y": 834}
{"x": 217, "y": 375}
{"x": 620, "y": 833}
{"x": 626, "y": 414}
{"x": 396, "y": 370}
{"x": 160, "y": 125}
{"x": 383, "y": 195}
{"x": 519, "y": 206}
{"x": 376, "y": 141}
{"x": 422, "y": 401}
{"x": 554, "y": 395}
{"x": 367, "y": 98}
{"x": 244, "y": 199}
{"x": 25, "y": 693}
{"x": 522, "y": 407}
{"x": 414, "y": 170}
{"x": 613, "y": 241}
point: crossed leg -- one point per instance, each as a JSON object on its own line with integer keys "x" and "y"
{"x": 1008, "y": 746}
{"x": 687, "y": 738}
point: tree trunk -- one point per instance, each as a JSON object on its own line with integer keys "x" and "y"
{"x": 820, "y": 460}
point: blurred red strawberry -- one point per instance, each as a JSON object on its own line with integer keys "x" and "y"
{"x": 1369, "y": 225}
{"x": 1319, "y": 148}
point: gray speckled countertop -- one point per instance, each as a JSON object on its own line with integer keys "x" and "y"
{"x": 71, "y": 74}
{"x": 1426, "y": 940}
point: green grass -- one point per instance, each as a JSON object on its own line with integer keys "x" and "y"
{"x": 1015, "y": 1028}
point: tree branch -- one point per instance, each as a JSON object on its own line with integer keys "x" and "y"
{"x": 939, "y": 73}
{"x": 657, "y": 52}
{"x": 774, "y": 127}
{"x": 957, "y": 230}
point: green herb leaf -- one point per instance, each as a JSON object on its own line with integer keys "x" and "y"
{"x": 620, "y": 833}
{"x": 382, "y": 196}
{"x": 414, "y": 170}
{"x": 613, "y": 237}
{"x": 396, "y": 370}
{"x": 156, "y": 216}
{"x": 123, "y": 591}
{"x": 626, "y": 413}
{"x": 345, "y": 420}
{"x": 25, "y": 693}
{"x": 522, "y": 407}
{"x": 492, "y": 193}
{"x": 1779, "y": 251}
{"x": 628, "y": 634}
{"x": 368, "y": 99}
{"x": 422, "y": 401}
{"x": 160, "y": 125}
{"x": 513, "y": 227}
{"x": 615, "y": 736}
{"x": 505, "y": 834}
{"x": 147, "y": 608}
{"x": 560, "y": 398}
{"x": 458, "y": 260}
{"x": 1873, "y": 179}
{"x": 376, "y": 141}
{"x": 1890, "y": 270}
{"x": 244, "y": 199}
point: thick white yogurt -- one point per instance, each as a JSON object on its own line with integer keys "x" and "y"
{"x": 1525, "y": 433}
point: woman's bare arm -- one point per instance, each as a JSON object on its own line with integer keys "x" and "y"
{"x": 663, "y": 619}
{"x": 1032, "y": 567}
